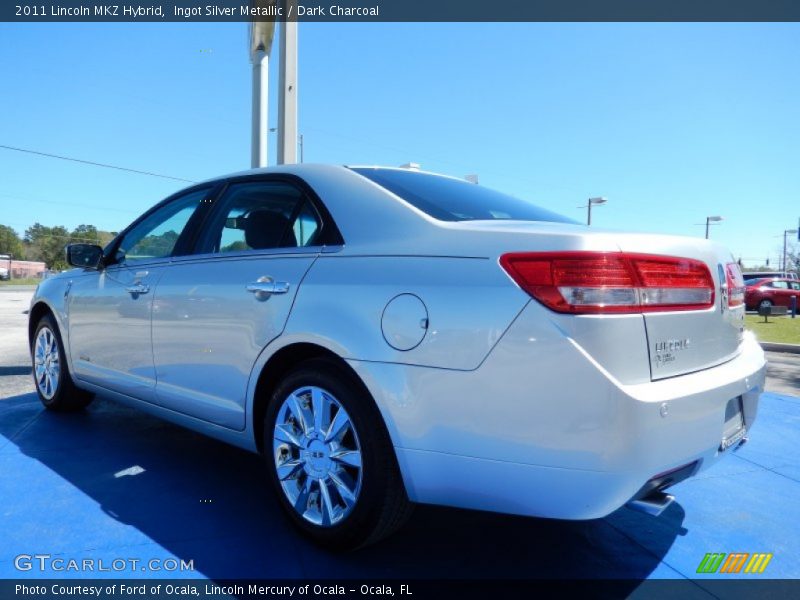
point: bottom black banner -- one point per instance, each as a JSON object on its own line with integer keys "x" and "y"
{"x": 64, "y": 589}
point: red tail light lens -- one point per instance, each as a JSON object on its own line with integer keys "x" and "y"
{"x": 735, "y": 281}
{"x": 611, "y": 282}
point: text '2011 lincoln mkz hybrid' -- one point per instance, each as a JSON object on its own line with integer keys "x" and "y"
{"x": 389, "y": 336}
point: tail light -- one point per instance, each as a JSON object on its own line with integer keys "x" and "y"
{"x": 611, "y": 282}
{"x": 735, "y": 282}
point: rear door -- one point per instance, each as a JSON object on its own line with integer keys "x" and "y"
{"x": 795, "y": 291}
{"x": 216, "y": 309}
{"x": 780, "y": 293}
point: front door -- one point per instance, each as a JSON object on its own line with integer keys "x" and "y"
{"x": 109, "y": 311}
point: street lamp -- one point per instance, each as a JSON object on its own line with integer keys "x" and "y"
{"x": 785, "y": 233}
{"x": 710, "y": 220}
{"x": 261, "y": 34}
{"x": 599, "y": 200}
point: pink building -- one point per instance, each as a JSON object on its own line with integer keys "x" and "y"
{"x": 26, "y": 268}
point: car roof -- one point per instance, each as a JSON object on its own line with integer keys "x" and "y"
{"x": 301, "y": 169}
{"x": 752, "y": 282}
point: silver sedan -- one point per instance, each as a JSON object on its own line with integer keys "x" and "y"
{"x": 387, "y": 336}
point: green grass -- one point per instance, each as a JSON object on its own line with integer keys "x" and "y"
{"x": 27, "y": 281}
{"x": 783, "y": 330}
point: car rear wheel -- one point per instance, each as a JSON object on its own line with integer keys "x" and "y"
{"x": 50, "y": 372}
{"x": 330, "y": 458}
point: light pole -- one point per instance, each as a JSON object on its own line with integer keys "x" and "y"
{"x": 785, "y": 233}
{"x": 599, "y": 200}
{"x": 709, "y": 220}
{"x": 301, "y": 147}
{"x": 287, "y": 80}
{"x": 261, "y": 34}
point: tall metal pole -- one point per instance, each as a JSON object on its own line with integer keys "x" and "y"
{"x": 712, "y": 219}
{"x": 589, "y": 202}
{"x": 258, "y": 155}
{"x": 783, "y": 270}
{"x": 287, "y": 99}
{"x": 261, "y": 33}
{"x": 785, "y": 233}
{"x": 301, "y": 147}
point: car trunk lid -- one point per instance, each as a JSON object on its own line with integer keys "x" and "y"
{"x": 678, "y": 341}
{"x": 681, "y": 342}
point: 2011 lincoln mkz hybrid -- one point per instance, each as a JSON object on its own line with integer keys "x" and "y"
{"x": 389, "y": 336}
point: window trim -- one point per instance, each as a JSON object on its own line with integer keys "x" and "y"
{"x": 187, "y": 237}
{"x": 327, "y": 236}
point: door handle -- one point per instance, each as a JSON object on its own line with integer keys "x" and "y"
{"x": 137, "y": 288}
{"x": 265, "y": 287}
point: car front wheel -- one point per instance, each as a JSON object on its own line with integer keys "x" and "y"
{"x": 50, "y": 372}
{"x": 330, "y": 458}
{"x": 765, "y": 304}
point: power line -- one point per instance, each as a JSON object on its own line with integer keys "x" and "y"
{"x": 95, "y": 164}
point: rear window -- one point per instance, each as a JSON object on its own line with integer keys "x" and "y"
{"x": 449, "y": 199}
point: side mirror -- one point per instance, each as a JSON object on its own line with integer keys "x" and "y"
{"x": 84, "y": 256}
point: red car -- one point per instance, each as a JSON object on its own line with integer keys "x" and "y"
{"x": 772, "y": 291}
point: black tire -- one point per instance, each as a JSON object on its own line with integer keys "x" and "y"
{"x": 764, "y": 304}
{"x": 61, "y": 395}
{"x": 381, "y": 505}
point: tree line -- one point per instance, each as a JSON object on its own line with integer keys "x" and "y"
{"x": 46, "y": 244}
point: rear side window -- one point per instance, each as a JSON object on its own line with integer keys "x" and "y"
{"x": 263, "y": 216}
{"x": 450, "y": 199}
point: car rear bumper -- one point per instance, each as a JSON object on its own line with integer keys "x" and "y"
{"x": 541, "y": 429}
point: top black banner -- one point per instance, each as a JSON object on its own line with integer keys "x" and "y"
{"x": 400, "y": 10}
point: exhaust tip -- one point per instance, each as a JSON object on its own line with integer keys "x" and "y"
{"x": 653, "y": 504}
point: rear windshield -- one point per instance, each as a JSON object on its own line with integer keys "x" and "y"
{"x": 449, "y": 199}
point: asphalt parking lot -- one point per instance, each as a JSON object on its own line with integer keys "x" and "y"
{"x": 112, "y": 483}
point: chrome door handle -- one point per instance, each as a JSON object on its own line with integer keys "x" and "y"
{"x": 138, "y": 288}
{"x": 266, "y": 287}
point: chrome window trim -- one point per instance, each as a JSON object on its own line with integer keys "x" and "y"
{"x": 255, "y": 254}
{"x": 144, "y": 262}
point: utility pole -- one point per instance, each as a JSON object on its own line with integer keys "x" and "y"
{"x": 301, "y": 147}
{"x": 261, "y": 33}
{"x": 785, "y": 233}
{"x": 287, "y": 99}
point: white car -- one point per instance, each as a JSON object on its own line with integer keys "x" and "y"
{"x": 387, "y": 336}
{"x": 5, "y": 266}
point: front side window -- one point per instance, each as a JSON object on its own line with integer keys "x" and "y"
{"x": 156, "y": 235}
{"x": 449, "y": 199}
{"x": 779, "y": 285}
{"x": 263, "y": 216}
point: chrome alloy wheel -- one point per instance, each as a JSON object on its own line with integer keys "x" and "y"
{"x": 317, "y": 456}
{"x": 46, "y": 362}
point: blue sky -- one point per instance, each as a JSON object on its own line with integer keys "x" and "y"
{"x": 671, "y": 122}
